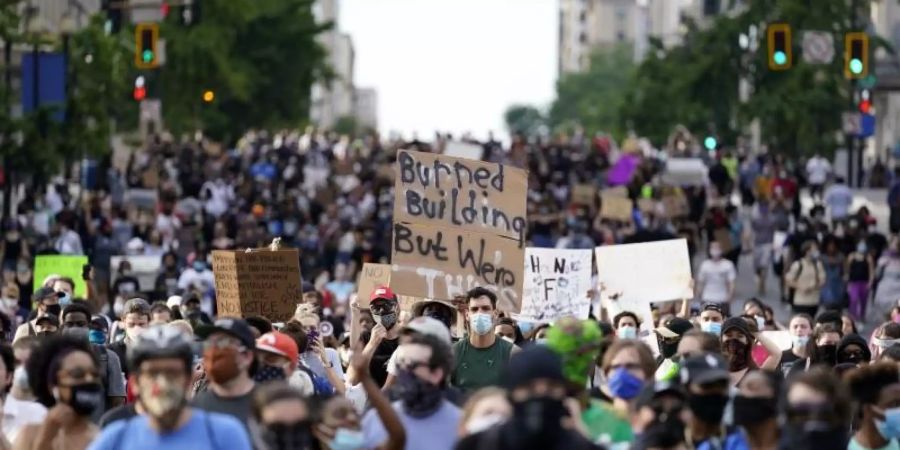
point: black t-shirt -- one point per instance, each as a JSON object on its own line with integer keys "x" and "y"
{"x": 788, "y": 359}
{"x": 378, "y": 365}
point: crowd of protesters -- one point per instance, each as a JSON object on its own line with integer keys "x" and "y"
{"x": 135, "y": 366}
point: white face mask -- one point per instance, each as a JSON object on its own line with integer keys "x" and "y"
{"x": 479, "y": 424}
{"x": 760, "y": 322}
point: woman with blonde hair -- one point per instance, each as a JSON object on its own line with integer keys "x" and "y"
{"x": 486, "y": 408}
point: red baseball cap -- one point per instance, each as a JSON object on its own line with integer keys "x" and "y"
{"x": 279, "y": 344}
{"x": 382, "y": 292}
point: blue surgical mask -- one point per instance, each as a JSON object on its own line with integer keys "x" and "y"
{"x": 346, "y": 439}
{"x": 861, "y": 247}
{"x": 525, "y": 327}
{"x": 482, "y": 323}
{"x": 199, "y": 266}
{"x": 800, "y": 341}
{"x": 712, "y": 328}
{"x": 622, "y": 384}
{"x": 627, "y": 332}
{"x": 65, "y": 300}
{"x": 890, "y": 427}
{"x": 97, "y": 337}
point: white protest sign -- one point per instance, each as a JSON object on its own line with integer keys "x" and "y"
{"x": 646, "y": 272}
{"x": 556, "y": 284}
{"x": 466, "y": 150}
{"x": 781, "y": 338}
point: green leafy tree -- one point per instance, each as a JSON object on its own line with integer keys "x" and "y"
{"x": 593, "y": 99}
{"x": 524, "y": 119}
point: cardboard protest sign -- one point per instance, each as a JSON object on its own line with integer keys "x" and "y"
{"x": 370, "y": 277}
{"x": 259, "y": 282}
{"x": 144, "y": 268}
{"x": 70, "y": 266}
{"x": 458, "y": 224}
{"x": 584, "y": 194}
{"x": 646, "y": 205}
{"x": 616, "y": 191}
{"x": 615, "y": 208}
{"x": 465, "y": 150}
{"x": 646, "y": 272}
{"x": 675, "y": 205}
{"x": 556, "y": 284}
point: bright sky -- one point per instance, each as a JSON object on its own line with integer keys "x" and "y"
{"x": 452, "y": 65}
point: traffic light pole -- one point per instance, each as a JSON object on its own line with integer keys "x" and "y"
{"x": 850, "y": 139}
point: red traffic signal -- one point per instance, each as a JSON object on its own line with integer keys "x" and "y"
{"x": 140, "y": 93}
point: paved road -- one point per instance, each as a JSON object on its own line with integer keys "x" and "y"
{"x": 875, "y": 200}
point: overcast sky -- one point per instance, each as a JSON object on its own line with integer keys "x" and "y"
{"x": 452, "y": 65}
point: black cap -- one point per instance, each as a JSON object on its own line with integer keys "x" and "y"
{"x": 47, "y": 318}
{"x": 232, "y": 326}
{"x": 656, "y": 390}
{"x": 712, "y": 306}
{"x": 99, "y": 323}
{"x": 533, "y": 363}
{"x": 704, "y": 369}
{"x": 674, "y": 327}
{"x": 737, "y": 323}
{"x": 44, "y": 292}
{"x": 308, "y": 287}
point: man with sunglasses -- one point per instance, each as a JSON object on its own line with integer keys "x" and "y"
{"x": 384, "y": 338}
{"x": 229, "y": 362}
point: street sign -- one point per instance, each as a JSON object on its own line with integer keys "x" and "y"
{"x": 851, "y": 122}
{"x": 818, "y": 47}
{"x": 867, "y": 128}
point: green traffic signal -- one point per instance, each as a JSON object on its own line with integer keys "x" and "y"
{"x": 147, "y": 56}
{"x": 780, "y": 58}
{"x": 856, "y": 66}
{"x": 710, "y": 143}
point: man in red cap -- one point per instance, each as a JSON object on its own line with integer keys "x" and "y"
{"x": 384, "y": 337}
{"x": 278, "y": 355}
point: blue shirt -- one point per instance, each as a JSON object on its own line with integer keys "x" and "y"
{"x": 204, "y": 431}
{"x": 435, "y": 432}
{"x": 734, "y": 440}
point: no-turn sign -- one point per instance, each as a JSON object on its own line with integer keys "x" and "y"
{"x": 818, "y": 47}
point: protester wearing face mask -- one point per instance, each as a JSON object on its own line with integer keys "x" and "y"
{"x": 76, "y": 319}
{"x": 822, "y": 349}
{"x": 282, "y": 419}
{"x": 65, "y": 286}
{"x": 668, "y": 337}
{"x": 627, "y": 366}
{"x": 229, "y": 363}
{"x": 17, "y": 411}
{"x": 430, "y": 421}
{"x": 46, "y": 325}
{"x": 711, "y": 318}
{"x": 508, "y": 329}
{"x": 887, "y": 279}
{"x": 716, "y": 279}
{"x": 854, "y": 350}
{"x": 63, "y": 376}
{"x": 161, "y": 362}
{"x": 539, "y": 334}
{"x": 383, "y": 339}
{"x": 323, "y": 361}
{"x": 817, "y": 412}
{"x": 9, "y": 303}
{"x": 806, "y": 277}
{"x": 659, "y": 417}
{"x": 480, "y": 358}
{"x": 277, "y": 355}
{"x": 136, "y": 319}
{"x": 626, "y": 324}
{"x": 707, "y": 378}
{"x": 47, "y": 303}
{"x": 756, "y": 409}
{"x": 537, "y": 392}
{"x": 484, "y": 409}
{"x": 440, "y": 311}
{"x": 884, "y": 336}
{"x": 876, "y": 389}
{"x": 860, "y": 277}
{"x": 800, "y": 329}
{"x": 737, "y": 343}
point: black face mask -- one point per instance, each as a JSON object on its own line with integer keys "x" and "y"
{"x": 709, "y": 408}
{"x": 666, "y": 431}
{"x": 53, "y": 309}
{"x": 753, "y": 410}
{"x": 419, "y": 397}
{"x": 827, "y": 354}
{"x": 85, "y": 398}
{"x": 537, "y": 421}
{"x": 813, "y": 436}
{"x": 669, "y": 349}
{"x": 738, "y": 354}
{"x": 288, "y": 436}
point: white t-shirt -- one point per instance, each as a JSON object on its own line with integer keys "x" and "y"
{"x": 715, "y": 277}
{"x": 817, "y": 169}
{"x": 18, "y": 413}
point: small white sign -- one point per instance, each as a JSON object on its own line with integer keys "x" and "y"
{"x": 818, "y": 47}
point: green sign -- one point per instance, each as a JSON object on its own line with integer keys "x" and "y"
{"x": 61, "y": 265}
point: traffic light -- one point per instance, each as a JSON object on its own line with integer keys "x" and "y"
{"x": 190, "y": 12}
{"x": 856, "y": 55}
{"x": 140, "y": 88}
{"x": 146, "y": 40}
{"x": 710, "y": 143}
{"x": 779, "y": 45}
{"x": 113, "y": 16}
{"x": 865, "y": 101}
{"x": 208, "y": 96}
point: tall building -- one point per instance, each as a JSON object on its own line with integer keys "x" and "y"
{"x": 366, "y": 108}
{"x": 331, "y": 101}
{"x": 585, "y": 25}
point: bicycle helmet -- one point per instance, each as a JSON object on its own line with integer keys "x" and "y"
{"x": 160, "y": 341}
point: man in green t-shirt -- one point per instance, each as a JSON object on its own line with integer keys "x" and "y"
{"x": 480, "y": 357}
